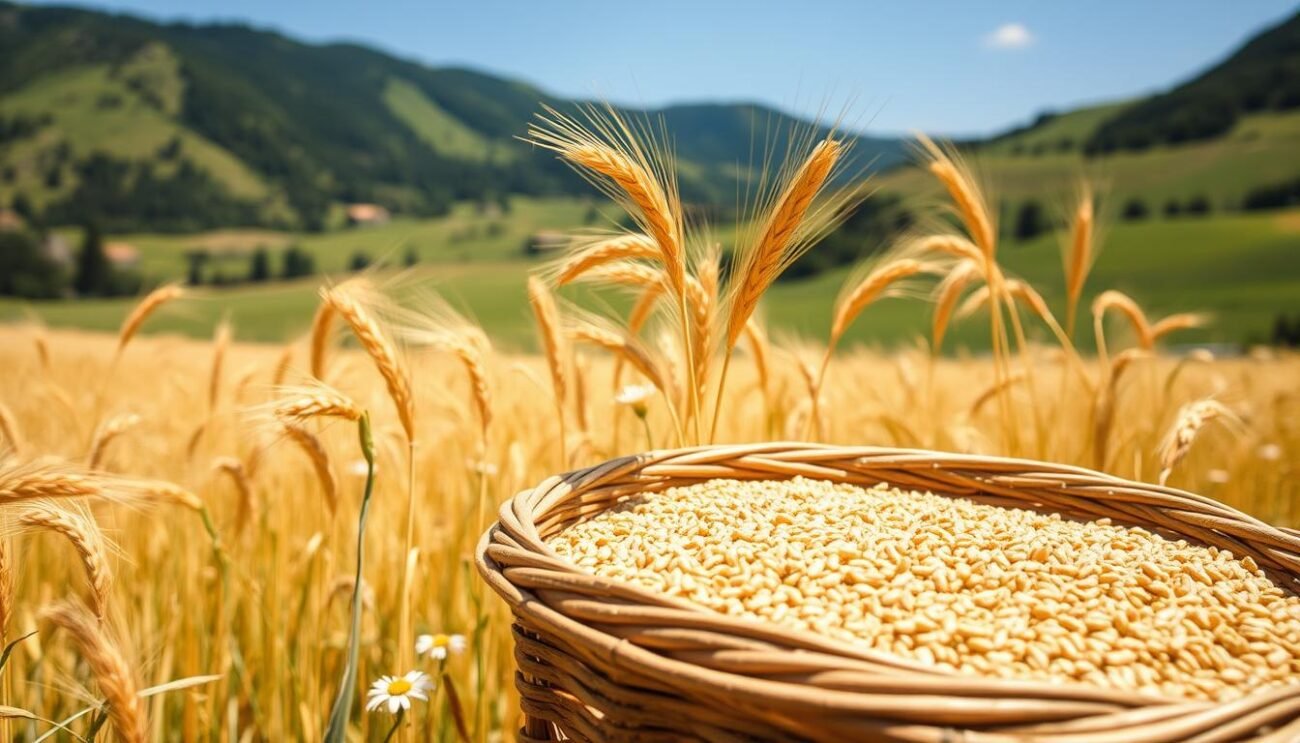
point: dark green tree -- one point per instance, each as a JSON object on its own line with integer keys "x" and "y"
{"x": 1134, "y": 209}
{"x": 94, "y": 275}
{"x": 259, "y": 266}
{"x": 196, "y": 260}
{"x": 359, "y": 261}
{"x": 1030, "y": 222}
{"x": 412, "y": 257}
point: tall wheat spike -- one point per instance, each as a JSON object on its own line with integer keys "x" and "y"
{"x": 607, "y": 150}
{"x": 104, "y": 435}
{"x": 438, "y": 325}
{"x": 42, "y": 348}
{"x": 281, "y": 369}
{"x": 1079, "y": 256}
{"x": 315, "y": 400}
{"x": 146, "y": 307}
{"x": 315, "y": 451}
{"x": 702, "y": 304}
{"x": 234, "y": 469}
{"x": 778, "y": 244}
{"x": 1192, "y": 418}
{"x": 111, "y": 671}
{"x": 381, "y": 351}
{"x": 322, "y": 324}
{"x": 1175, "y": 323}
{"x": 620, "y": 345}
{"x": 946, "y": 295}
{"x": 547, "y": 316}
{"x": 220, "y": 343}
{"x": 1116, "y": 300}
{"x": 966, "y": 196}
{"x": 1104, "y": 404}
{"x": 601, "y": 252}
{"x": 28, "y": 482}
{"x": 9, "y": 429}
{"x": 6, "y": 588}
{"x": 85, "y": 537}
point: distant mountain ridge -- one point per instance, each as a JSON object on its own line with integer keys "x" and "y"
{"x": 174, "y": 127}
{"x": 268, "y": 130}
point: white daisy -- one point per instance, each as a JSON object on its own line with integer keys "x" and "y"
{"x": 437, "y": 646}
{"x": 635, "y": 397}
{"x": 398, "y": 691}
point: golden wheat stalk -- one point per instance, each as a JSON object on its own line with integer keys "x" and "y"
{"x": 702, "y": 305}
{"x": 281, "y": 370}
{"x": 315, "y": 451}
{"x": 85, "y": 537}
{"x": 626, "y": 273}
{"x": 603, "y": 252}
{"x": 547, "y": 316}
{"x": 954, "y": 246}
{"x": 946, "y": 295}
{"x": 620, "y": 345}
{"x": 7, "y": 605}
{"x": 1116, "y": 300}
{"x": 1175, "y": 323}
{"x": 971, "y": 207}
{"x": 995, "y": 389}
{"x": 104, "y": 435}
{"x": 1104, "y": 406}
{"x": 777, "y": 244}
{"x": 315, "y": 400}
{"x": 9, "y": 428}
{"x": 220, "y": 344}
{"x": 322, "y": 324}
{"x": 35, "y": 481}
{"x": 1079, "y": 256}
{"x": 613, "y": 156}
{"x": 42, "y": 349}
{"x": 109, "y": 668}
{"x": 146, "y": 307}
{"x": 234, "y": 469}
{"x": 1192, "y": 419}
{"x": 858, "y": 295}
{"x": 381, "y": 351}
{"x": 759, "y": 347}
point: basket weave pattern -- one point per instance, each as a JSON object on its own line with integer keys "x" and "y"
{"x": 603, "y": 660}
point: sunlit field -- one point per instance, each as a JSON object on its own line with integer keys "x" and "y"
{"x": 182, "y": 517}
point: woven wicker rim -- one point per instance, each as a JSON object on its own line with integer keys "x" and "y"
{"x": 622, "y": 645}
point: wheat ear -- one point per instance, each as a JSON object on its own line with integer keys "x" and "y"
{"x": 234, "y": 469}
{"x": 1192, "y": 418}
{"x": 623, "y": 346}
{"x": 1174, "y": 323}
{"x": 1104, "y": 406}
{"x": 1112, "y": 299}
{"x": 778, "y": 244}
{"x": 946, "y": 295}
{"x": 281, "y": 371}
{"x": 547, "y": 316}
{"x": 147, "y": 306}
{"x": 961, "y": 188}
{"x": 316, "y": 400}
{"x": 104, "y": 435}
{"x": 85, "y": 537}
{"x": 26, "y": 483}
{"x": 6, "y": 588}
{"x": 315, "y": 451}
{"x": 1078, "y": 259}
{"x": 9, "y": 428}
{"x": 381, "y": 352}
{"x": 111, "y": 672}
{"x": 322, "y": 323}
{"x": 609, "y": 250}
{"x": 220, "y": 344}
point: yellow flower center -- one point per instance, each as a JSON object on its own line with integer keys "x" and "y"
{"x": 441, "y": 641}
{"x": 397, "y": 687}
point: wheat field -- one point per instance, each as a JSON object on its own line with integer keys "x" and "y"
{"x": 181, "y": 518}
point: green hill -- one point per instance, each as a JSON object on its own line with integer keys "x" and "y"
{"x": 134, "y": 123}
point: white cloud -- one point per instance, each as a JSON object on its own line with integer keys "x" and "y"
{"x": 1009, "y": 36}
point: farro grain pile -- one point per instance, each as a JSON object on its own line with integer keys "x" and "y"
{"x": 958, "y": 585}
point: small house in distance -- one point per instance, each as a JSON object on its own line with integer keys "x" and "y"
{"x": 122, "y": 255}
{"x": 545, "y": 241}
{"x": 367, "y": 215}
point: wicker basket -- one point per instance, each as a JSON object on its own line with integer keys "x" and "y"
{"x": 603, "y": 660}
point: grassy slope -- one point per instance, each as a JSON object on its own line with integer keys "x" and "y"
{"x": 438, "y": 128}
{"x": 1261, "y": 149}
{"x": 133, "y": 129}
{"x": 1244, "y": 269}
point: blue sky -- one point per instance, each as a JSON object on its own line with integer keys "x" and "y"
{"x": 954, "y": 68}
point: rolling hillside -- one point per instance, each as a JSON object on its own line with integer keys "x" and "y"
{"x": 115, "y": 117}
